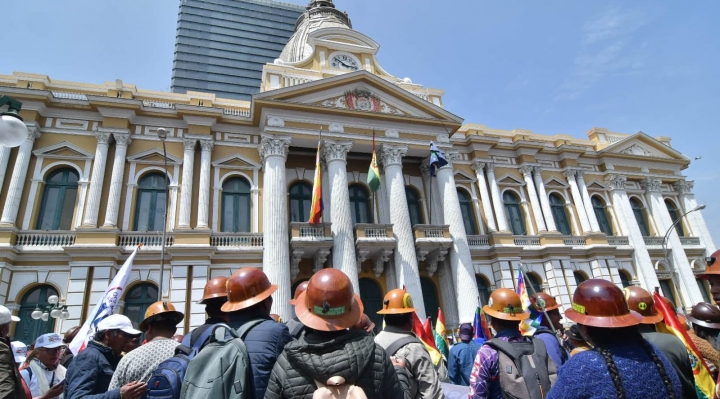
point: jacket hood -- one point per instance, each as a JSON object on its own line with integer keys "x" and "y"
{"x": 324, "y": 355}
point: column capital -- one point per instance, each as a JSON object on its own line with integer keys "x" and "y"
{"x": 490, "y": 167}
{"x": 615, "y": 182}
{"x": 207, "y": 145}
{"x": 103, "y": 137}
{"x": 33, "y": 132}
{"x": 570, "y": 174}
{"x": 122, "y": 139}
{"x": 425, "y": 169}
{"x": 651, "y": 185}
{"x": 274, "y": 146}
{"x": 580, "y": 174}
{"x": 478, "y": 166}
{"x": 538, "y": 171}
{"x": 392, "y": 154}
{"x": 451, "y": 157}
{"x": 684, "y": 186}
{"x": 189, "y": 144}
{"x": 335, "y": 150}
{"x": 526, "y": 170}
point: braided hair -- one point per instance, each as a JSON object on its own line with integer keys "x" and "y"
{"x": 660, "y": 367}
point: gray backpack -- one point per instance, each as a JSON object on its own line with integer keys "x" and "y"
{"x": 526, "y": 371}
{"x": 222, "y": 369}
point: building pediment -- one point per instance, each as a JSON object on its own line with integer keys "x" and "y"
{"x": 554, "y": 182}
{"x": 510, "y": 180}
{"x": 63, "y": 150}
{"x": 642, "y": 145}
{"x": 463, "y": 177}
{"x": 236, "y": 161}
{"x": 153, "y": 156}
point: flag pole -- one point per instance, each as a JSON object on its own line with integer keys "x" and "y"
{"x": 431, "y": 190}
{"x": 375, "y": 203}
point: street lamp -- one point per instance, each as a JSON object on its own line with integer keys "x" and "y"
{"x": 12, "y": 128}
{"x": 54, "y": 310}
{"x": 667, "y": 235}
{"x": 162, "y": 135}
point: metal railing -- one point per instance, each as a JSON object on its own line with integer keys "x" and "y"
{"x": 618, "y": 240}
{"x": 45, "y": 239}
{"x": 526, "y": 241}
{"x": 69, "y": 96}
{"x": 689, "y": 240}
{"x": 244, "y": 240}
{"x": 478, "y": 241}
{"x": 147, "y": 239}
{"x": 574, "y": 241}
{"x": 653, "y": 240}
{"x": 236, "y": 112}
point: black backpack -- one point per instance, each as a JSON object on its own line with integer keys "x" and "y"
{"x": 526, "y": 371}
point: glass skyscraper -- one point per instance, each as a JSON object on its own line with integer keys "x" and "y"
{"x": 222, "y": 45}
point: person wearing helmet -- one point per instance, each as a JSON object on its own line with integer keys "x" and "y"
{"x": 249, "y": 300}
{"x": 294, "y": 325}
{"x": 547, "y": 305}
{"x": 712, "y": 275}
{"x": 505, "y": 312}
{"x": 577, "y": 341}
{"x": 639, "y": 300}
{"x": 622, "y": 364}
{"x": 705, "y": 319}
{"x": 398, "y": 339}
{"x": 159, "y": 326}
{"x": 214, "y": 297}
{"x": 331, "y": 352}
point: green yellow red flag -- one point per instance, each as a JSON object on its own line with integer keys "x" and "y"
{"x": 316, "y": 206}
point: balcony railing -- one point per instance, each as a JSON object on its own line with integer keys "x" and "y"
{"x": 526, "y": 241}
{"x": 45, "y": 239}
{"x": 310, "y": 232}
{"x": 69, "y": 96}
{"x": 242, "y": 240}
{"x": 236, "y": 112}
{"x": 618, "y": 240}
{"x": 147, "y": 239}
{"x": 653, "y": 240}
{"x": 369, "y": 230}
{"x": 478, "y": 241}
{"x": 574, "y": 241}
{"x": 689, "y": 240}
{"x": 158, "y": 104}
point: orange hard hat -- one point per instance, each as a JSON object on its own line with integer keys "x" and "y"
{"x": 713, "y": 266}
{"x": 397, "y": 301}
{"x": 160, "y": 310}
{"x": 505, "y": 304}
{"x": 329, "y": 303}
{"x": 642, "y": 302}
{"x": 542, "y": 301}
{"x": 215, "y": 288}
{"x": 298, "y": 290}
{"x": 600, "y": 303}
{"x": 247, "y": 287}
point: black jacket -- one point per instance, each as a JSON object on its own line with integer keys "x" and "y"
{"x": 350, "y": 354}
{"x": 10, "y": 384}
{"x": 90, "y": 373}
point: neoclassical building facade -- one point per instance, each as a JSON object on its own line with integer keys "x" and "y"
{"x": 89, "y": 184}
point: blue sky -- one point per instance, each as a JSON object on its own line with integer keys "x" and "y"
{"x": 547, "y": 66}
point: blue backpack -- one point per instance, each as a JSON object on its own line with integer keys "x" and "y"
{"x": 167, "y": 379}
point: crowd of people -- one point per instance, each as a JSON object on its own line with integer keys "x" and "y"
{"x": 618, "y": 347}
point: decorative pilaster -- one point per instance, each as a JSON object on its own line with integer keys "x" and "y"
{"x": 343, "y": 253}
{"x": 695, "y": 219}
{"x": 530, "y": 185}
{"x": 587, "y": 202}
{"x": 204, "y": 193}
{"x": 17, "y": 180}
{"x": 187, "y": 182}
{"x": 276, "y": 249}
{"x": 406, "y": 264}
{"x": 577, "y": 200}
{"x": 463, "y": 273}
{"x": 496, "y": 200}
{"x": 479, "y": 168}
{"x": 96, "y": 179}
{"x": 122, "y": 140}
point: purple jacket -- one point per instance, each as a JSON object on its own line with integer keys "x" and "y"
{"x": 485, "y": 378}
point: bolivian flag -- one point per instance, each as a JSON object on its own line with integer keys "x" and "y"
{"x": 316, "y": 207}
{"x": 373, "y": 179}
{"x": 429, "y": 342}
{"x": 441, "y": 335}
{"x": 704, "y": 384}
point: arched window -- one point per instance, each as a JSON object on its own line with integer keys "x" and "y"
{"x": 466, "y": 209}
{"x": 557, "y": 207}
{"x": 236, "y": 205}
{"x": 58, "y": 200}
{"x": 151, "y": 203}
{"x": 29, "y": 329}
{"x": 601, "y": 215}
{"x": 137, "y": 301}
{"x": 514, "y": 215}
{"x": 668, "y": 291}
{"x": 533, "y": 281}
{"x": 639, "y": 212}
{"x": 703, "y": 290}
{"x": 675, "y": 215}
{"x": 483, "y": 289}
{"x": 579, "y": 277}
{"x": 625, "y": 278}
{"x": 359, "y": 204}
{"x": 413, "y": 201}
{"x": 371, "y": 296}
{"x": 430, "y": 298}
{"x": 300, "y": 201}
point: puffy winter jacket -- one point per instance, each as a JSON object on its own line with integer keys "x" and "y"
{"x": 317, "y": 356}
{"x": 90, "y": 373}
{"x": 10, "y": 381}
{"x": 264, "y": 342}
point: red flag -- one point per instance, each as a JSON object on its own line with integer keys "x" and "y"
{"x": 428, "y": 335}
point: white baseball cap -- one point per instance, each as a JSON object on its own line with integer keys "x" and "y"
{"x": 19, "y": 351}
{"x": 118, "y": 322}
{"x": 49, "y": 341}
{"x": 6, "y": 316}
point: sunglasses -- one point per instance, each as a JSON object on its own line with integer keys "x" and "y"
{"x": 54, "y": 351}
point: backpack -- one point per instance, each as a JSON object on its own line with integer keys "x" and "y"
{"x": 563, "y": 353}
{"x": 526, "y": 372}
{"x": 166, "y": 381}
{"x": 336, "y": 388}
{"x": 222, "y": 369}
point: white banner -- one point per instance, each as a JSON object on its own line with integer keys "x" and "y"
{"x": 105, "y": 307}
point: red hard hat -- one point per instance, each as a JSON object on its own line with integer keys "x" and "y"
{"x": 600, "y": 303}
{"x": 642, "y": 302}
{"x": 247, "y": 287}
{"x": 298, "y": 290}
{"x": 329, "y": 303}
{"x": 215, "y": 288}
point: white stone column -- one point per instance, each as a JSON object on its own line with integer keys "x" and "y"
{"x": 641, "y": 258}
{"x": 434, "y": 208}
{"x": 204, "y": 194}
{"x": 577, "y": 200}
{"x": 17, "y": 180}
{"x": 479, "y": 168}
{"x": 276, "y": 245}
{"x": 463, "y": 272}
{"x": 448, "y": 294}
{"x": 529, "y": 225}
{"x": 695, "y": 219}
{"x": 587, "y": 208}
{"x": 687, "y": 289}
{"x": 544, "y": 202}
{"x": 122, "y": 140}
{"x": 406, "y": 264}
{"x": 96, "y": 179}
{"x": 343, "y": 253}
{"x": 502, "y": 223}
{"x": 4, "y": 158}
{"x": 187, "y": 182}
{"x": 530, "y": 185}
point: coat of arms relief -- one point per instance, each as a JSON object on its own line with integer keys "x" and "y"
{"x": 362, "y": 100}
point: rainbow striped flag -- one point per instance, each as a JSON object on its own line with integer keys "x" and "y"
{"x": 441, "y": 335}
{"x": 704, "y": 384}
{"x": 316, "y": 207}
{"x": 530, "y": 325}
